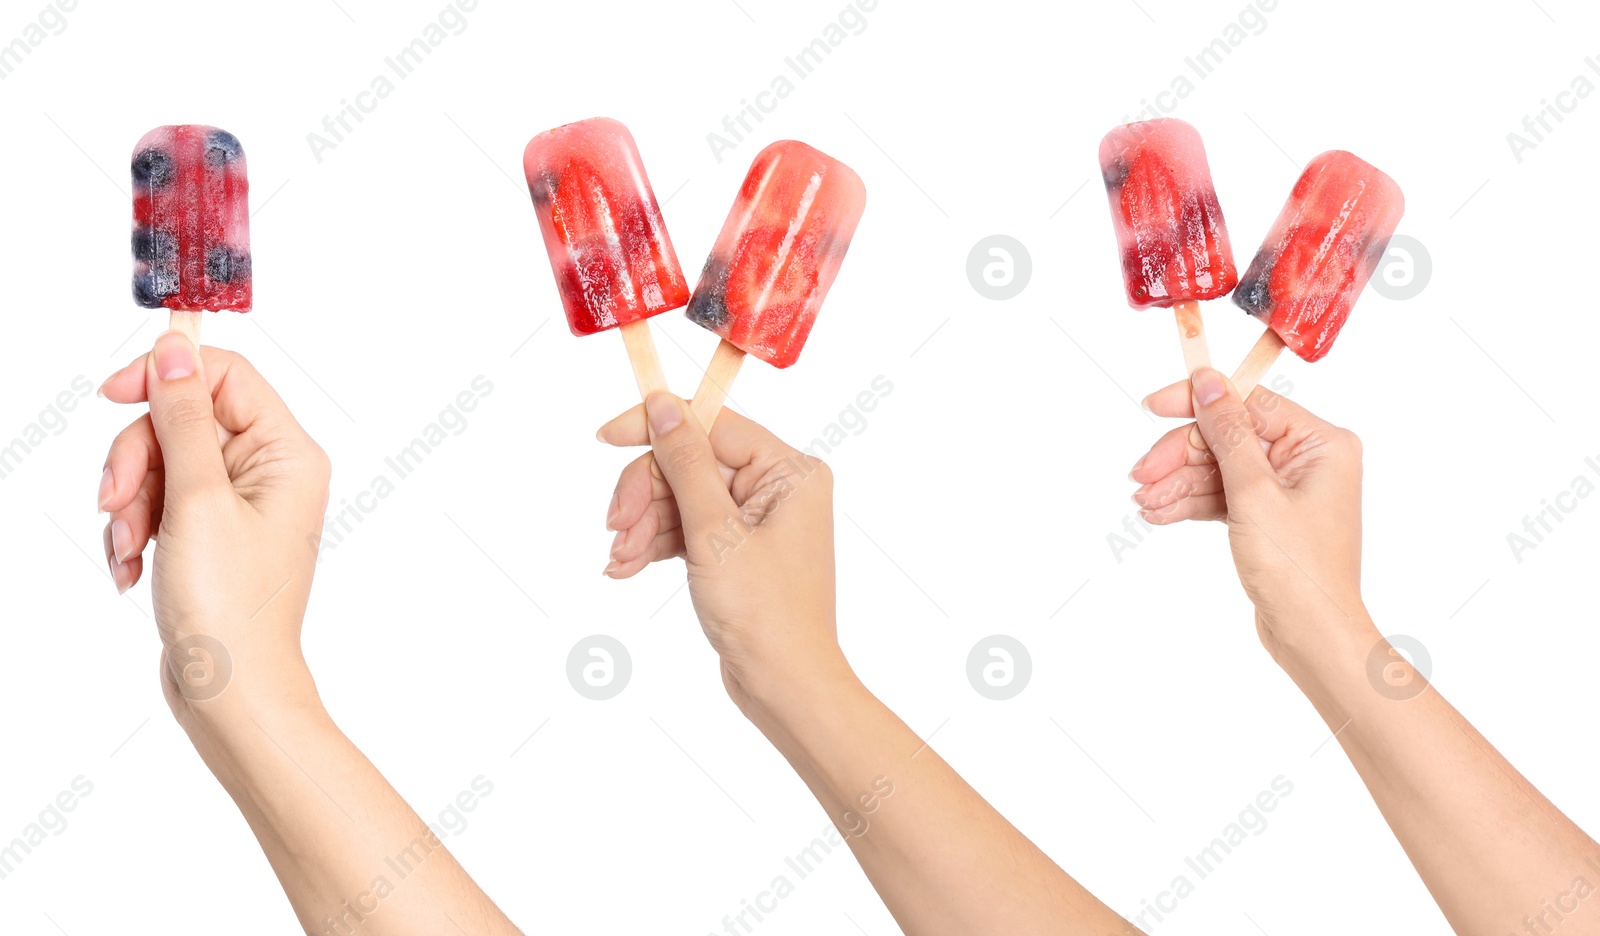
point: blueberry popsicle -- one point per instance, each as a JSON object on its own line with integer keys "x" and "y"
{"x": 191, "y": 224}
{"x": 1169, "y": 227}
{"x": 608, "y": 246}
{"x": 1319, "y": 255}
{"x": 778, "y": 254}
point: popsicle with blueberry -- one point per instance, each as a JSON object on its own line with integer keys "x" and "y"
{"x": 613, "y": 261}
{"x": 191, "y": 224}
{"x": 1169, "y": 226}
{"x": 777, "y": 256}
{"x": 1318, "y": 256}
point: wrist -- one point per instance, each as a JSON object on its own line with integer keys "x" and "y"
{"x": 783, "y": 693}
{"x": 1305, "y": 644}
{"x": 285, "y": 699}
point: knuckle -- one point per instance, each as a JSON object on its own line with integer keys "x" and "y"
{"x": 185, "y": 414}
{"x": 683, "y": 457}
{"x": 1264, "y": 402}
{"x": 1348, "y": 441}
{"x": 320, "y": 466}
{"x": 1231, "y": 429}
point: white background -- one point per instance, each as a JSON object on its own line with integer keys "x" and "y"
{"x": 979, "y": 496}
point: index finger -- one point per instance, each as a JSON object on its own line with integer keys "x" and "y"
{"x": 1273, "y": 415}
{"x": 241, "y": 397}
{"x": 736, "y": 440}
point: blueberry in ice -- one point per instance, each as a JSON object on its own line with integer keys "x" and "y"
{"x": 225, "y": 266}
{"x": 543, "y": 188}
{"x": 154, "y": 246}
{"x": 153, "y": 167}
{"x": 144, "y": 292}
{"x": 709, "y": 309}
{"x": 1253, "y": 293}
{"x": 219, "y": 265}
{"x": 708, "y": 306}
{"x": 1114, "y": 174}
{"x": 149, "y": 289}
{"x": 222, "y": 147}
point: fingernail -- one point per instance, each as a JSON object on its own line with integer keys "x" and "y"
{"x": 1208, "y": 386}
{"x": 1136, "y": 466}
{"x": 119, "y": 575}
{"x": 174, "y": 354}
{"x": 598, "y": 437}
{"x": 121, "y": 540}
{"x": 616, "y": 543}
{"x": 665, "y": 415}
{"x": 1196, "y": 440}
{"x": 655, "y": 471}
{"x": 101, "y": 392}
{"x": 108, "y": 487}
{"x": 1144, "y": 404}
{"x": 611, "y": 568}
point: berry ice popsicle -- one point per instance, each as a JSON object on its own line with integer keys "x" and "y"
{"x": 1169, "y": 227}
{"x": 613, "y": 261}
{"x": 1319, "y": 255}
{"x": 778, "y": 254}
{"x": 191, "y": 223}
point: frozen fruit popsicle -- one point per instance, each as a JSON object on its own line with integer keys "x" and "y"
{"x": 608, "y": 246}
{"x": 1319, "y": 255}
{"x": 1169, "y": 227}
{"x": 779, "y": 252}
{"x": 191, "y": 223}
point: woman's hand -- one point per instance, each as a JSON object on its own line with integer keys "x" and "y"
{"x": 1287, "y": 483}
{"x": 753, "y": 518}
{"x": 233, "y": 491}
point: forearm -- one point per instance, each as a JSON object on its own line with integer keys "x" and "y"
{"x": 1490, "y": 848}
{"x": 350, "y": 853}
{"x": 943, "y": 860}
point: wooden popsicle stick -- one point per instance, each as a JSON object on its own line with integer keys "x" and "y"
{"x": 1257, "y": 363}
{"x": 642, "y": 353}
{"x": 646, "y": 367}
{"x": 188, "y": 323}
{"x": 713, "y": 391}
{"x": 1192, "y": 336}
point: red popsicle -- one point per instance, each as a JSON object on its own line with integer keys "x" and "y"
{"x": 778, "y": 254}
{"x": 1169, "y": 226}
{"x": 1321, "y": 252}
{"x": 613, "y": 261}
{"x": 191, "y": 224}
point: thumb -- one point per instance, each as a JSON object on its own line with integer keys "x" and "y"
{"x": 1229, "y": 431}
{"x": 180, "y": 410}
{"x": 688, "y": 464}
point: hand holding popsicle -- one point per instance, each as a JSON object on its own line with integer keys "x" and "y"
{"x": 1287, "y": 483}
{"x": 227, "y": 484}
{"x": 739, "y": 506}
{"x": 1487, "y": 844}
{"x": 778, "y": 254}
{"x": 754, "y": 520}
{"x": 233, "y": 491}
